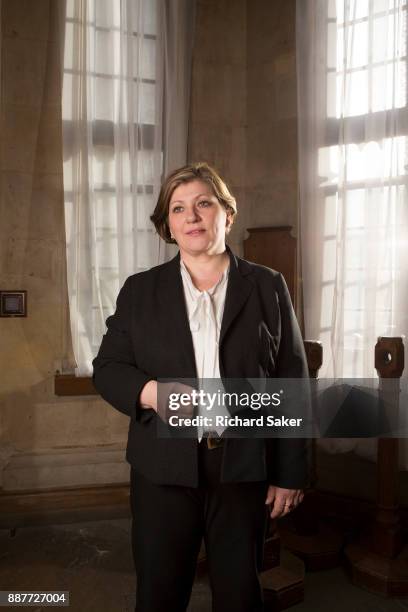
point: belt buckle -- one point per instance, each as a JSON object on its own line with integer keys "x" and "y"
{"x": 214, "y": 442}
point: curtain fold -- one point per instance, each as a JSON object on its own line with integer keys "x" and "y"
{"x": 353, "y": 127}
{"x": 126, "y": 80}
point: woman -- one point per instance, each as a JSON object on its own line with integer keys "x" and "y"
{"x": 204, "y": 314}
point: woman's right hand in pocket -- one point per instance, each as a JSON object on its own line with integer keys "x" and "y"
{"x": 168, "y": 400}
{"x": 160, "y": 396}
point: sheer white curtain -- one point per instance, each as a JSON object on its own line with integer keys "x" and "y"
{"x": 353, "y": 127}
{"x": 126, "y": 79}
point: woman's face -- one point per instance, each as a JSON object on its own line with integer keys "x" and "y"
{"x": 197, "y": 221}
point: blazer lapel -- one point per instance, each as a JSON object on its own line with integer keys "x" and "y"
{"x": 239, "y": 289}
{"x": 173, "y": 302}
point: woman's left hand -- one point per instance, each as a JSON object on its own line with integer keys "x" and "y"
{"x": 282, "y": 501}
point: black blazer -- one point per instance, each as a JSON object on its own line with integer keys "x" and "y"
{"x": 148, "y": 337}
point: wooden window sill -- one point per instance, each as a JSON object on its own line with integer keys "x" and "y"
{"x": 68, "y": 384}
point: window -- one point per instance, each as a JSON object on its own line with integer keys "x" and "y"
{"x": 113, "y": 154}
{"x": 361, "y": 167}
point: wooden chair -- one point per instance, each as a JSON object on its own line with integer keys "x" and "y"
{"x": 378, "y": 558}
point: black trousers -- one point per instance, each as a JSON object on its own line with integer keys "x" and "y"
{"x": 168, "y": 525}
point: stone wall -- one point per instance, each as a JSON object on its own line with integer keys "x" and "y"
{"x": 243, "y": 113}
{"x": 272, "y": 187}
{"x": 218, "y": 121}
{"x": 45, "y": 441}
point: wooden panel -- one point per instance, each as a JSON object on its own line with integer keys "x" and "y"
{"x": 68, "y": 384}
{"x": 276, "y": 248}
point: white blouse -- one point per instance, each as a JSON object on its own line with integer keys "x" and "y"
{"x": 205, "y": 310}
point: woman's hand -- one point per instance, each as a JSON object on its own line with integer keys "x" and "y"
{"x": 148, "y": 396}
{"x": 282, "y": 500}
{"x": 156, "y": 396}
{"x": 184, "y": 410}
